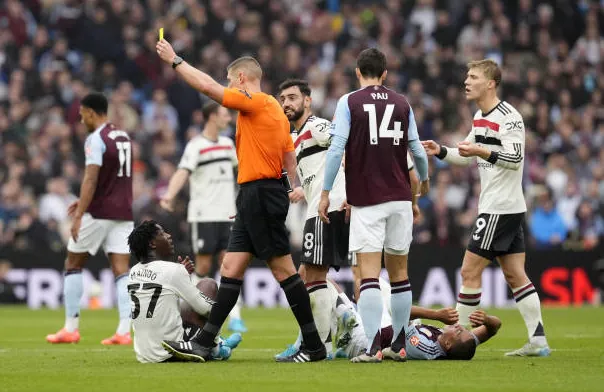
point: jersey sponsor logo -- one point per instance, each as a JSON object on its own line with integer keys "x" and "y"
{"x": 514, "y": 126}
{"x": 308, "y": 181}
{"x": 414, "y": 341}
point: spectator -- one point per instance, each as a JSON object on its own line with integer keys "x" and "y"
{"x": 53, "y": 53}
{"x": 546, "y": 225}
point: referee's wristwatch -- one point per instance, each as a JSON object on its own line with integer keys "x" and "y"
{"x": 177, "y": 61}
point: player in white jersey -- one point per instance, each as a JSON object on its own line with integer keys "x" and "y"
{"x": 323, "y": 245}
{"x": 208, "y": 163}
{"x": 497, "y": 141}
{"x": 155, "y": 286}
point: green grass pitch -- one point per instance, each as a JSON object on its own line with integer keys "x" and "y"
{"x": 28, "y": 363}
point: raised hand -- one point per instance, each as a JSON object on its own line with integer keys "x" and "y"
{"x": 187, "y": 263}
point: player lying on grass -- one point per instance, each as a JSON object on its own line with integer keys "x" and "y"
{"x": 423, "y": 341}
{"x": 155, "y": 286}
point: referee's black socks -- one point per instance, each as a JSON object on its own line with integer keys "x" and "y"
{"x": 299, "y": 301}
{"x": 228, "y": 293}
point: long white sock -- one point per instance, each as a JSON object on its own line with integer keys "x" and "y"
{"x": 123, "y": 304}
{"x": 73, "y": 289}
{"x": 529, "y": 306}
{"x": 401, "y": 311}
{"x": 468, "y": 300}
{"x": 321, "y": 306}
{"x": 370, "y": 309}
{"x": 236, "y": 311}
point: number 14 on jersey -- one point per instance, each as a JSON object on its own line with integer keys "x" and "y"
{"x": 383, "y": 132}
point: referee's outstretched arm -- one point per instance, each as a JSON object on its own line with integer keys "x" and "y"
{"x": 195, "y": 78}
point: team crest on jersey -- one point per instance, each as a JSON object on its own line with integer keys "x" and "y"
{"x": 245, "y": 93}
{"x": 414, "y": 340}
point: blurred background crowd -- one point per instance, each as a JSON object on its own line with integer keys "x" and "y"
{"x": 52, "y": 52}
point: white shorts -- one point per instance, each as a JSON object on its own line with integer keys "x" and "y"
{"x": 387, "y": 226}
{"x": 94, "y": 233}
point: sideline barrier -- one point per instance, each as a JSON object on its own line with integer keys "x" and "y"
{"x": 562, "y": 278}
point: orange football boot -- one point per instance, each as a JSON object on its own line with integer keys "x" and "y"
{"x": 118, "y": 339}
{"x": 63, "y": 336}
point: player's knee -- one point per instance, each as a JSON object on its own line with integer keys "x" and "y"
{"x": 396, "y": 252}
{"x": 470, "y": 274}
{"x": 281, "y": 273}
{"x": 515, "y": 278}
{"x": 74, "y": 262}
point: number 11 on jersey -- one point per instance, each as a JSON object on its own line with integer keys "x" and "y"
{"x": 395, "y": 134}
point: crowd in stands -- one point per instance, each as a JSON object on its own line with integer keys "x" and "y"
{"x": 53, "y": 52}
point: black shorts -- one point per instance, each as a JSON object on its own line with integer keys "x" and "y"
{"x": 259, "y": 226}
{"x": 326, "y": 244}
{"x": 210, "y": 238}
{"x": 497, "y": 235}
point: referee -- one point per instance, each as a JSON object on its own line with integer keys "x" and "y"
{"x": 264, "y": 146}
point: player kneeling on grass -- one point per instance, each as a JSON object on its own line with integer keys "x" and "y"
{"x": 155, "y": 286}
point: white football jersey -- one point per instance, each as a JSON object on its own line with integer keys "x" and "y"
{"x": 311, "y": 143}
{"x": 154, "y": 289}
{"x": 502, "y": 131}
{"x": 212, "y": 181}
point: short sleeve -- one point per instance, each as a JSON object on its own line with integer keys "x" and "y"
{"x": 94, "y": 149}
{"x": 289, "y": 143}
{"x": 242, "y": 100}
{"x": 340, "y": 125}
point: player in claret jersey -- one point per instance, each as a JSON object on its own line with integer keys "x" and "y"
{"x": 102, "y": 217}
{"x": 497, "y": 141}
{"x": 374, "y": 125}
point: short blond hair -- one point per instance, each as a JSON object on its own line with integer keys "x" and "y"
{"x": 490, "y": 69}
{"x": 248, "y": 65}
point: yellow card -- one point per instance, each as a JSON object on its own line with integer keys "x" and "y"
{"x": 161, "y": 33}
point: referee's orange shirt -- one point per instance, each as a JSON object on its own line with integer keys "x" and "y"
{"x": 262, "y": 134}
